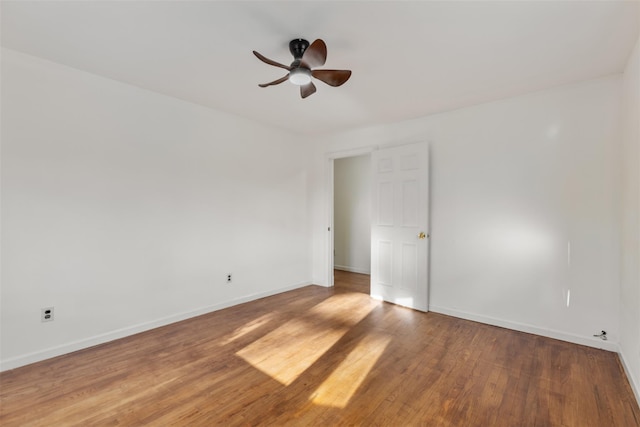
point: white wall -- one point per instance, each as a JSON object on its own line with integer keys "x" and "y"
{"x": 513, "y": 183}
{"x": 126, "y": 209}
{"x": 352, "y": 214}
{"x": 630, "y": 270}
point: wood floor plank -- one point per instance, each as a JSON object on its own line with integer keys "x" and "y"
{"x": 325, "y": 357}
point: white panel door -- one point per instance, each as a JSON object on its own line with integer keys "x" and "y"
{"x": 399, "y": 235}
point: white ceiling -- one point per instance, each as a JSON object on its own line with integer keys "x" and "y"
{"x": 409, "y": 58}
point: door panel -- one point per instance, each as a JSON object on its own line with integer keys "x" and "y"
{"x": 385, "y": 262}
{"x": 385, "y": 207}
{"x": 409, "y": 267}
{"x": 410, "y": 209}
{"x": 399, "y": 257}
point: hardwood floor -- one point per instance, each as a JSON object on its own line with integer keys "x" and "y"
{"x": 328, "y": 357}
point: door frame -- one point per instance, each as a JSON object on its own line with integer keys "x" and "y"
{"x": 330, "y": 158}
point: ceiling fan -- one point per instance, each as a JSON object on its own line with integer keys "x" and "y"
{"x": 305, "y": 58}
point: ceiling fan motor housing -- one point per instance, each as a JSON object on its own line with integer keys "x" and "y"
{"x": 297, "y": 47}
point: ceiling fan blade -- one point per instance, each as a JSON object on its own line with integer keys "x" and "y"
{"x": 308, "y": 89}
{"x": 270, "y": 61}
{"x": 275, "y": 82}
{"x": 332, "y": 77}
{"x": 315, "y": 55}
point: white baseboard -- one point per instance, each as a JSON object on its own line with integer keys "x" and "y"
{"x": 37, "y": 356}
{"x": 352, "y": 269}
{"x": 635, "y": 386}
{"x": 321, "y": 283}
{"x": 550, "y": 333}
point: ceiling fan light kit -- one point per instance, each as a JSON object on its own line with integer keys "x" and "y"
{"x": 300, "y": 76}
{"x": 305, "y": 58}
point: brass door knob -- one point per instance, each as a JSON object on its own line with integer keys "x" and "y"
{"x": 422, "y": 235}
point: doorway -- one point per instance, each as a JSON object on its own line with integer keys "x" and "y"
{"x": 352, "y": 214}
{"x": 393, "y": 181}
{"x": 349, "y": 212}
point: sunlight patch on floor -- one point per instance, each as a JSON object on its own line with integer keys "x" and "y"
{"x": 341, "y": 385}
{"x": 248, "y": 328}
{"x": 289, "y": 350}
{"x": 347, "y": 308}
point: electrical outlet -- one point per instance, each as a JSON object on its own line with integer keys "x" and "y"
{"x": 46, "y": 314}
{"x": 602, "y": 335}
{"x": 229, "y": 278}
